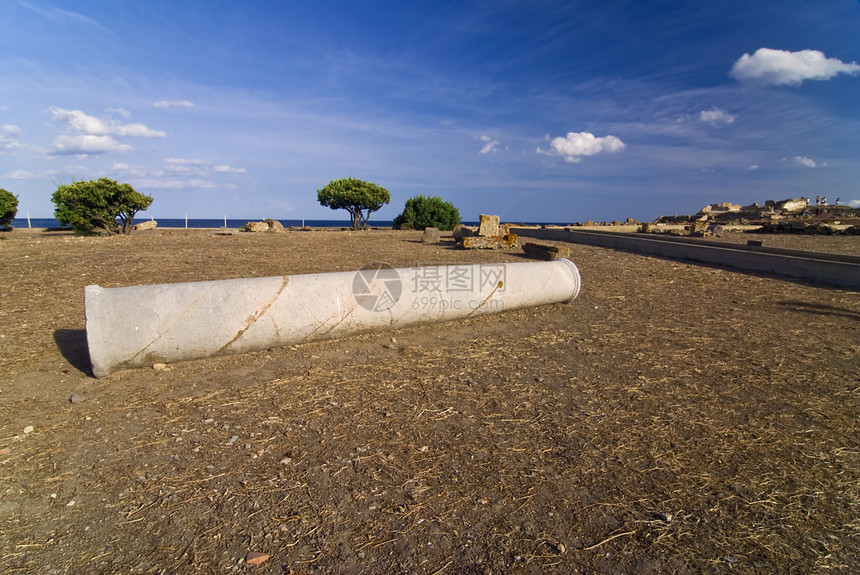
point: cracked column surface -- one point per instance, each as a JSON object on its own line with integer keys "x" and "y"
{"x": 139, "y": 326}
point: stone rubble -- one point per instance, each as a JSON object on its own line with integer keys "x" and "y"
{"x": 491, "y": 235}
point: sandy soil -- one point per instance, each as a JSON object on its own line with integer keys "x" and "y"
{"x": 673, "y": 418}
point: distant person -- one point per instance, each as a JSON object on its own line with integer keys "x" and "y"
{"x": 824, "y": 201}
{"x": 817, "y": 200}
{"x": 837, "y": 201}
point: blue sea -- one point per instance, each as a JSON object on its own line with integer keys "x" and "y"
{"x": 218, "y": 223}
{"x": 198, "y": 223}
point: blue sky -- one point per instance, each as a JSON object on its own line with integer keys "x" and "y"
{"x": 535, "y": 110}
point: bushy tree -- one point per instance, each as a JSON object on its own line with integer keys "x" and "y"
{"x": 422, "y": 212}
{"x": 8, "y": 208}
{"x": 101, "y": 206}
{"x": 356, "y": 196}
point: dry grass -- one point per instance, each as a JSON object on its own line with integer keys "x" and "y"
{"x": 673, "y": 418}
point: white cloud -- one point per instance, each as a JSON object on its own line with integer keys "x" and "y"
{"x": 781, "y": 67}
{"x": 804, "y": 161}
{"x": 578, "y": 144}
{"x": 173, "y": 104}
{"x": 186, "y": 166}
{"x": 86, "y": 144}
{"x": 12, "y": 129}
{"x": 22, "y": 175}
{"x": 854, "y": 203}
{"x": 716, "y": 116}
{"x": 752, "y": 168}
{"x": 229, "y": 169}
{"x": 174, "y": 184}
{"x": 78, "y": 121}
{"x": 491, "y": 145}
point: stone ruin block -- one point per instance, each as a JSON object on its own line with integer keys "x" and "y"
{"x": 461, "y": 231}
{"x": 145, "y": 225}
{"x": 489, "y": 226}
{"x": 546, "y": 252}
{"x": 499, "y": 242}
{"x": 264, "y": 226}
{"x": 256, "y": 227}
{"x": 490, "y": 235}
{"x": 431, "y": 235}
{"x": 715, "y": 230}
{"x": 275, "y": 225}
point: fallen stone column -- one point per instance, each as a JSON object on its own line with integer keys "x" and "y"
{"x": 139, "y": 326}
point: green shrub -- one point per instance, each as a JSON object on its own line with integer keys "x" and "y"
{"x": 8, "y": 208}
{"x": 100, "y": 206}
{"x": 422, "y": 212}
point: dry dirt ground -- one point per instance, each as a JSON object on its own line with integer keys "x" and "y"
{"x": 673, "y": 418}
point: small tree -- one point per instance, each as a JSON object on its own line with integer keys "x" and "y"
{"x": 100, "y": 206}
{"x": 356, "y": 196}
{"x": 422, "y": 212}
{"x": 8, "y": 208}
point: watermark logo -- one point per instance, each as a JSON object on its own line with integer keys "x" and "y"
{"x": 377, "y": 286}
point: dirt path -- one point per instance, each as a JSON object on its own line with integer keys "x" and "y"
{"x": 672, "y": 418}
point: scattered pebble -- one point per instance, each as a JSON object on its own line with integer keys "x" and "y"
{"x": 233, "y": 440}
{"x": 159, "y": 366}
{"x": 5, "y": 451}
{"x": 28, "y": 429}
{"x": 75, "y": 398}
{"x": 286, "y": 460}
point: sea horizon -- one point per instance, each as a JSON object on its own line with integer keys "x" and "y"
{"x": 232, "y": 223}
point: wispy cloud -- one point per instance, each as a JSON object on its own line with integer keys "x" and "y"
{"x": 804, "y": 161}
{"x": 576, "y": 145}
{"x": 781, "y": 67}
{"x": 59, "y": 14}
{"x": 716, "y": 116}
{"x": 175, "y": 184}
{"x": 119, "y": 111}
{"x": 9, "y": 146}
{"x": 22, "y": 175}
{"x": 173, "y": 104}
{"x": 490, "y": 145}
{"x": 229, "y": 169}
